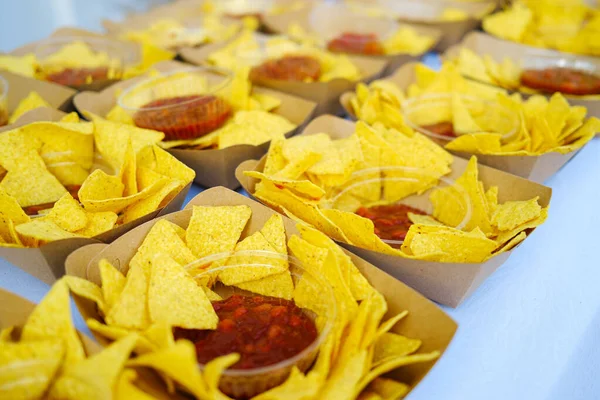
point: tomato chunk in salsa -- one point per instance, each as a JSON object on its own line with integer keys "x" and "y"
{"x": 34, "y": 210}
{"x": 391, "y": 221}
{"x": 356, "y": 43}
{"x": 564, "y": 80}
{"x": 442, "y": 128}
{"x": 263, "y": 330}
{"x": 75, "y": 77}
{"x": 288, "y": 68}
{"x": 184, "y": 117}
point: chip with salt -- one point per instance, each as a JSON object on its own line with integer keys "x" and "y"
{"x": 175, "y": 298}
{"x": 27, "y": 368}
{"x": 215, "y": 230}
{"x": 131, "y": 309}
{"x": 52, "y": 319}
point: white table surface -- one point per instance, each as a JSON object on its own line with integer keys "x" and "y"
{"x": 531, "y": 331}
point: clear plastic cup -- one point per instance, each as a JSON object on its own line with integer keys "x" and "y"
{"x": 540, "y": 60}
{"x": 184, "y": 104}
{"x": 359, "y": 32}
{"x": 432, "y": 116}
{"x": 246, "y": 383}
{"x": 243, "y": 8}
{"x": 112, "y": 58}
{"x": 3, "y": 101}
{"x": 391, "y": 186}
{"x": 433, "y": 10}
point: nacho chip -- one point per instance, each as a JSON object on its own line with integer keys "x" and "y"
{"x": 111, "y": 140}
{"x": 301, "y": 187}
{"x": 68, "y": 214}
{"x": 511, "y": 214}
{"x": 87, "y": 290}
{"x": 162, "y": 162}
{"x": 131, "y": 309}
{"x": 98, "y": 223}
{"x": 126, "y": 390}
{"x": 179, "y": 363}
{"x": 154, "y": 201}
{"x": 94, "y": 377}
{"x": 256, "y": 265}
{"x": 450, "y": 245}
{"x": 162, "y": 238}
{"x": 100, "y": 186}
{"x": 44, "y": 231}
{"x": 392, "y": 364}
{"x": 29, "y": 181}
{"x": 143, "y": 345}
{"x": 213, "y": 371}
{"x": 27, "y": 368}
{"x": 175, "y": 298}
{"x": 215, "y": 230}
{"x": 11, "y": 208}
{"x": 388, "y": 389}
{"x": 391, "y": 345}
{"x": 51, "y": 318}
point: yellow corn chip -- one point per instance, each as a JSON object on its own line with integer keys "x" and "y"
{"x": 68, "y": 214}
{"x": 100, "y": 186}
{"x": 162, "y": 238}
{"x": 175, "y": 298}
{"x": 97, "y": 223}
{"x": 131, "y": 309}
{"x": 213, "y": 371}
{"x": 179, "y": 363}
{"x": 450, "y": 244}
{"x": 142, "y": 345}
{"x": 44, "y": 230}
{"x": 27, "y": 368}
{"x": 126, "y": 390}
{"x": 51, "y": 318}
{"x": 393, "y": 345}
{"x": 511, "y": 214}
{"x": 94, "y": 378}
{"x": 87, "y": 290}
{"x": 388, "y": 389}
{"x": 215, "y": 230}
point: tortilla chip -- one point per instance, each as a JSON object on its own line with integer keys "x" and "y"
{"x": 87, "y": 290}
{"x": 68, "y": 214}
{"x": 51, "y": 319}
{"x": 100, "y": 186}
{"x": 175, "y": 298}
{"x": 179, "y": 363}
{"x": 450, "y": 245}
{"x": 511, "y": 214}
{"x": 98, "y": 223}
{"x": 131, "y": 309}
{"x": 94, "y": 377}
{"x": 29, "y": 367}
{"x": 162, "y": 238}
{"x": 44, "y": 231}
{"x": 215, "y": 230}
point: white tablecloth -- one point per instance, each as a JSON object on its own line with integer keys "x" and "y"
{"x": 531, "y": 331}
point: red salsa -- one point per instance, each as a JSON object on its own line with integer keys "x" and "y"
{"x": 262, "y": 330}
{"x": 391, "y": 221}
{"x": 442, "y": 128}
{"x": 564, "y": 80}
{"x": 288, "y": 68}
{"x": 76, "y": 77}
{"x": 184, "y": 117}
{"x": 34, "y": 210}
{"x": 356, "y": 43}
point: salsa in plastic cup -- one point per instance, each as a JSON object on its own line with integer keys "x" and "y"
{"x": 183, "y": 104}
{"x": 272, "y": 334}
{"x": 386, "y": 195}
